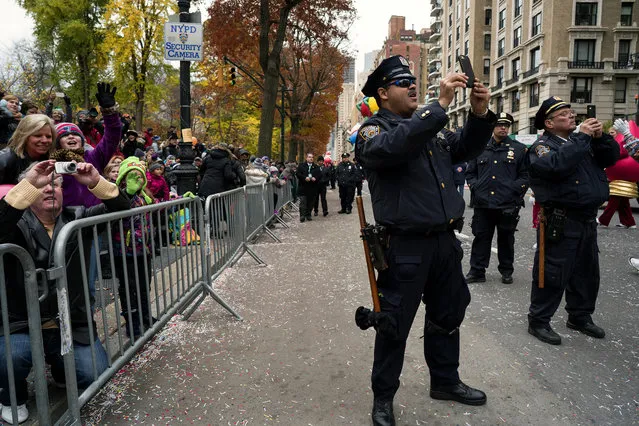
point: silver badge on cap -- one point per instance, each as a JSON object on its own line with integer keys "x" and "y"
{"x": 403, "y": 61}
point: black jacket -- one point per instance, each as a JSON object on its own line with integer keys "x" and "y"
{"x": 459, "y": 173}
{"x": 325, "y": 175}
{"x": 240, "y": 179}
{"x": 216, "y": 172}
{"x": 11, "y": 166}
{"x": 347, "y": 174}
{"x": 409, "y": 165}
{"x": 569, "y": 173}
{"x": 302, "y": 172}
{"x": 498, "y": 178}
{"x": 8, "y": 125}
{"x": 23, "y": 228}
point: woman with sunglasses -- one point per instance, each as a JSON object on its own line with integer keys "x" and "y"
{"x": 408, "y": 158}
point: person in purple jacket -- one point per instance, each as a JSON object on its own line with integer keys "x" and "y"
{"x": 70, "y": 146}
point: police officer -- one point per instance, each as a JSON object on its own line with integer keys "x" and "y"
{"x": 359, "y": 181}
{"x": 567, "y": 176}
{"x": 346, "y": 180}
{"x": 498, "y": 180}
{"x": 408, "y": 158}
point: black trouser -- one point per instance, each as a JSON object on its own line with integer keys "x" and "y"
{"x": 346, "y": 196}
{"x": 572, "y": 265}
{"x": 143, "y": 282}
{"x": 428, "y": 269}
{"x": 321, "y": 194}
{"x": 359, "y": 188}
{"x": 306, "y": 202}
{"x": 483, "y": 226}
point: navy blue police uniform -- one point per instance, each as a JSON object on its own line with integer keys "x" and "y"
{"x": 568, "y": 178}
{"x": 359, "y": 181}
{"x": 346, "y": 181}
{"x": 408, "y": 164}
{"x": 498, "y": 181}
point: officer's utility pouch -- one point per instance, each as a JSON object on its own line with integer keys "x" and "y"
{"x": 376, "y": 238}
{"x": 556, "y": 222}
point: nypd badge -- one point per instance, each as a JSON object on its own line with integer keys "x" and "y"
{"x": 541, "y": 150}
{"x": 368, "y": 132}
{"x": 403, "y": 61}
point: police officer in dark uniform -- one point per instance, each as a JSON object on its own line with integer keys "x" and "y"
{"x": 359, "y": 181}
{"x": 498, "y": 180}
{"x": 567, "y": 176}
{"x": 408, "y": 158}
{"x": 346, "y": 180}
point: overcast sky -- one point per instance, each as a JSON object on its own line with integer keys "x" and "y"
{"x": 367, "y": 34}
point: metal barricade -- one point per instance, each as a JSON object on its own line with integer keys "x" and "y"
{"x": 26, "y": 268}
{"x": 152, "y": 266}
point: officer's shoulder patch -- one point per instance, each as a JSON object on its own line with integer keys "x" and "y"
{"x": 541, "y": 150}
{"x": 368, "y": 132}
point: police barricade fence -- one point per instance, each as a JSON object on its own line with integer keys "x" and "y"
{"x": 138, "y": 268}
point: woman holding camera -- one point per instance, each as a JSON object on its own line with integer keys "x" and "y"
{"x": 31, "y": 142}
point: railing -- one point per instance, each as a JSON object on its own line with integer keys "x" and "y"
{"x": 497, "y": 86}
{"x": 531, "y": 72}
{"x": 581, "y": 97}
{"x": 586, "y": 65}
{"x": 512, "y": 81}
{"x": 142, "y": 279}
{"x": 625, "y": 65}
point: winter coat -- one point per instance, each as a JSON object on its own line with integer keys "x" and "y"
{"x": 158, "y": 186}
{"x": 11, "y": 166}
{"x": 216, "y": 172}
{"x": 303, "y": 171}
{"x": 255, "y": 175}
{"x": 459, "y": 173}
{"x": 8, "y": 125}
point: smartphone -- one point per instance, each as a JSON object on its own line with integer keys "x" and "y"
{"x": 59, "y": 94}
{"x": 467, "y": 68}
{"x": 591, "y": 111}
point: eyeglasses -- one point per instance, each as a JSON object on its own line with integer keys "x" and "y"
{"x": 404, "y": 83}
{"x": 564, "y": 114}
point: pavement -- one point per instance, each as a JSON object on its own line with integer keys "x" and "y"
{"x": 298, "y": 358}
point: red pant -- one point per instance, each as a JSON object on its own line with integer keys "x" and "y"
{"x": 621, "y": 204}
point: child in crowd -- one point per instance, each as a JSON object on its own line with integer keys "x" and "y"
{"x": 156, "y": 182}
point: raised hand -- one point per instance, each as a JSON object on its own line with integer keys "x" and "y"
{"x": 106, "y": 95}
{"x": 479, "y": 98}
{"x": 87, "y": 175}
{"x": 40, "y": 174}
{"x": 447, "y": 87}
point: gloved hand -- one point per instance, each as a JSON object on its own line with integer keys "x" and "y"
{"x": 189, "y": 194}
{"x": 134, "y": 183}
{"x": 106, "y": 96}
{"x": 621, "y": 126}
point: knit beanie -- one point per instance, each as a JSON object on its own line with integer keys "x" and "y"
{"x": 64, "y": 129}
{"x": 155, "y": 166}
{"x": 128, "y": 164}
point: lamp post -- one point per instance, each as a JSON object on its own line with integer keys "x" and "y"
{"x": 185, "y": 172}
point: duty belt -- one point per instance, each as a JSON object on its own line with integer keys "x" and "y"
{"x": 454, "y": 225}
{"x": 579, "y": 215}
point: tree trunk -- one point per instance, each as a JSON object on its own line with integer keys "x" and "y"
{"x": 269, "y": 102}
{"x": 139, "y": 110}
{"x": 85, "y": 79}
{"x": 296, "y": 126}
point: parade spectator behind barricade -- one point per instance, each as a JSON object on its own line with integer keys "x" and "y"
{"x": 28, "y": 108}
{"x": 325, "y": 178}
{"x": 150, "y": 156}
{"x": 172, "y": 130}
{"x": 136, "y": 242}
{"x": 244, "y": 157}
{"x": 308, "y": 174}
{"x": 289, "y": 174}
{"x": 110, "y": 172}
{"x": 169, "y": 172}
{"x": 57, "y": 114}
{"x": 197, "y": 162}
{"x": 9, "y": 118}
{"x": 126, "y": 120}
{"x": 170, "y": 147}
{"x": 98, "y": 124}
{"x": 275, "y": 180}
{"x": 216, "y": 172}
{"x": 156, "y": 182}
{"x": 32, "y": 141}
{"x": 85, "y": 123}
{"x": 156, "y": 144}
{"x": 130, "y": 144}
{"x": 31, "y": 215}
{"x": 459, "y": 176}
{"x": 148, "y": 137}
{"x": 255, "y": 173}
{"x": 237, "y": 168}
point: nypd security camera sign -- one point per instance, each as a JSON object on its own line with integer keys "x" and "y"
{"x": 182, "y": 41}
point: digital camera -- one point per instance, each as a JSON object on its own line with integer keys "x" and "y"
{"x": 66, "y": 168}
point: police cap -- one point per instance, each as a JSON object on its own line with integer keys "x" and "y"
{"x": 549, "y": 106}
{"x": 505, "y": 118}
{"x": 389, "y": 69}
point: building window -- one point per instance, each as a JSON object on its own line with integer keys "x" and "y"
{"x": 536, "y": 24}
{"x": 500, "y": 76}
{"x": 535, "y": 58}
{"x": 457, "y": 33}
{"x": 487, "y": 42}
{"x": 624, "y": 53}
{"x": 466, "y": 47}
{"x": 514, "y": 100}
{"x": 516, "y": 67}
{"x": 449, "y": 62}
{"x": 626, "y": 14}
{"x": 450, "y": 20}
{"x": 620, "y": 90}
{"x": 531, "y": 126}
{"x": 500, "y": 105}
{"x": 450, "y": 40}
{"x": 586, "y": 13}
{"x": 488, "y": 17}
{"x": 467, "y": 24}
{"x": 533, "y": 99}
{"x": 502, "y": 18}
{"x": 486, "y": 66}
{"x": 584, "y": 53}
{"x": 501, "y": 47}
{"x": 517, "y": 37}
{"x": 514, "y": 128}
{"x": 581, "y": 90}
{"x": 518, "y": 6}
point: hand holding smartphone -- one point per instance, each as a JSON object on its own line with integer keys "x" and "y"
{"x": 467, "y": 68}
{"x": 591, "y": 111}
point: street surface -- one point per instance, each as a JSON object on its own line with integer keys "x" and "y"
{"x": 299, "y": 359}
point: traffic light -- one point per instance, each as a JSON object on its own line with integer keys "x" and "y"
{"x": 232, "y": 76}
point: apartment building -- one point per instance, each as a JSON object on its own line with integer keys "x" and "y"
{"x": 459, "y": 27}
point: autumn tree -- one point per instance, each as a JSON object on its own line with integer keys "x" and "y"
{"x": 73, "y": 30}
{"x": 134, "y": 34}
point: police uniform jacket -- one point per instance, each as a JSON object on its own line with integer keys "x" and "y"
{"x": 498, "y": 178}
{"x": 569, "y": 173}
{"x": 347, "y": 174}
{"x": 409, "y": 165}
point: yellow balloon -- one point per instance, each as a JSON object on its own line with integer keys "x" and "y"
{"x": 372, "y": 104}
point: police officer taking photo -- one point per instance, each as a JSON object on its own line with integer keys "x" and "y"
{"x": 498, "y": 180}
{"x": 567, "y": 176}
{"x": 408, "y": 158}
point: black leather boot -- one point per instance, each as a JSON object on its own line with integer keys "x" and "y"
{"x": 460, "y": 392}
{"x": 382, "y": 414}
